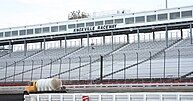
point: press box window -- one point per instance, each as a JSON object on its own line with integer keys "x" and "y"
{"x": 37, "y": 30}
{"x": 71, "y": 26}
{"x": 139, "y": 19}
{"x": 151, "y": 18}
{"x": 62, "y": 28}
{"x": 90, "y": 24}
{"x": 175, "y": 15}
{"x": 46, "y": 29}
{"x": 162, "y": 17}
{"x": 1, "y": 34}
{"x": 80, "y": 25}
{"x": 186, "y": 14}
{"x": 22, "y": 32}
{"x": 118, "y": 20}
{"x": 129, "y": 20}
{"x": 54, "y": 29}
{"x": 14, "y": 33}
{"x": 108, "y": 22}
{"x": 7, "y": 34}
{"x": 98, "y": 23}
{"x": 29, "y": 31}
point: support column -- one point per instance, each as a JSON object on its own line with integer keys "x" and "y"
{"x": 60, "y": 43}
{"x": 88, "y": 46}
{"x": 65, "y": 41}
{"x": 112, "y": 41}
{"x": 190, "y": 33}
{"x": 25, "y": 47}
{"x": 153, "y": 36}
{"x": 41, "y": 45}
{"x": 81, "y": 42}
{"x": 181, "y": 32}
{"x": 44, "y": 47}
{"x": 166, "y": 36}
{"x": 10, "y": 48}
{"x": 138, "y": 38}
{"x": 103, "y": 39}
{"x": 128, "y": 38}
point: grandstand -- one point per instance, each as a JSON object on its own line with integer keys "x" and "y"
{"x": 153, "y": 46}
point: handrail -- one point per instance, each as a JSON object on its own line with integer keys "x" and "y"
{"x": 22, "y": 59}
{"x": 96, "y": 60}
{"x": 43, "y": 65}
{"x": 151, "y": 57}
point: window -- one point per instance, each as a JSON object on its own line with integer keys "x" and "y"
{"x": 98, "y": 23}
{"x": 14, "y": 33}
{"x": 118, "y": 20}
{"x": 108, "y": 21}
{"x": 54, "y": 29}
{"x": 29, "y": 31}
{"x": 37, "y": 30}
{"x": 175, "y": 15}
{"x": 46, "y": 29}
{"x": 129, "y": 20}
{"x": 162, "y": 16}
{"x": 7, "y": 34}
{"x": 71, "y": 26}
{"x": 151, "y": 18}
{"x": 186, "y": 14}
{"x": 1, "y": 34}
{"x": 139, "y": 19}
{"x": 90, "y": 24}
{"x": 62, "y": 28}
{"x": 80, "y": 25}
{"x": 22, "y": 32}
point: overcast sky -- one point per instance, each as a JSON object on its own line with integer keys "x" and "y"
{"x": 27, "y": 12}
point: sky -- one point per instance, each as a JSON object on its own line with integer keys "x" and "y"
{"x": 15, "y": 13}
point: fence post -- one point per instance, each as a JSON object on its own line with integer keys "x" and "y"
{"x": 14, "y": 71}
{"x": 50, "y": 67}
{"x": 101, "y": 69}
{"x": 90, "y": 70}
{"x": 23, "y": 70}
{"x": 32, "y": 70}
{"x": 124, "y": 66}
{"x": 79, "y": 68}
{"x": 137, "y": 64}
{"x": 112, "y": 64}
{"x": 150, "y": 65}
{"x": 41, "y": 69}
{"x": 69, "y": 68}
{"x": 60, "y": 68}
{"x": 164, "y": 64}
{"x": 5, "y": 72}
{"x": 178, "y": 63}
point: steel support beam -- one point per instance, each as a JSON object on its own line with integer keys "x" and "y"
{"x": 44, "y": 45}
{"x": 190, "y": 33}
{"x": 166, "y": 36}
{"x": 112, "y": 40}
{"x": 153, "y": 36}
{"x": 88, "y": 46}
{"x": 128, "y": 41}
{"x": 181, "y": 33}
{"x": 81, "y": 42}
{"x": 138, "y": 38}
{"x": 25, "y": 47}
{"x": 103, "y": 39}
{"x": 60, "y": 43}
{"x": 65, "y": 41}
